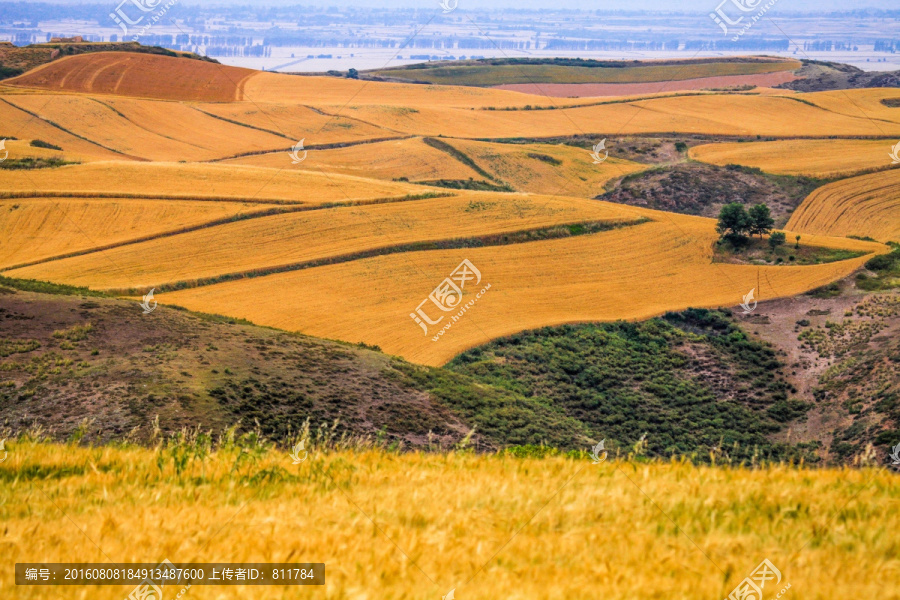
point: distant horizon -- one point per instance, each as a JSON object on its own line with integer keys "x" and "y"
{"x": 656, "y": 6}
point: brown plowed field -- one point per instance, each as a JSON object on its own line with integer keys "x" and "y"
{"x": 131, "y": 74}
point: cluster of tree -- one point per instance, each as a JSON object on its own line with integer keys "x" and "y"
{"x": 737, "y": 224}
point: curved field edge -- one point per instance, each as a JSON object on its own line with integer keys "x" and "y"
{"x": 867, "y": 206}
{"x": 591, "y": 278}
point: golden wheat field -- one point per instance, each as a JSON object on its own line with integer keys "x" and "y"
{"x": 296, "y": 122}
{"x": 406, "y": 157}
{"x": 815, "y": 158}
{"x": 287, "y": 239}
{"x": 864, "y": 206}
{"x": 35, "y": 229}
{"x": 419, "y": 525}
{"x": 587, "y": 278}
{"x": 628, "y": 273}
{"x": 547, "y": 168}
{"x": 288, "y": 185}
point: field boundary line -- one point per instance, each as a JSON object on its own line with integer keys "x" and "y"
{"x": 237, "y": 217}
{"x": 331, "y": 146}
{"x": 72, "y": 133}
{"x": 550, "y": 232}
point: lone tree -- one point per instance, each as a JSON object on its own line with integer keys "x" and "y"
{"x": 353, "y": 74}
{"x": 761, "y": 221}
{"x": 734, "y": 222}
{"x": 776, "y": 239}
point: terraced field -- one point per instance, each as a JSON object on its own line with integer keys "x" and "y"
{"x": 34, "y": 229}
{"x": 546, "y": 168}
{"x": 824, "y": 158}
{"x": 287, "y": 185}
{"x": 865, "y": 206}
{"x": 287, "y": 240}
{"x": 406, "y": 157}
{"x": 605, "y": 276}
{"x": 201, "y": 196}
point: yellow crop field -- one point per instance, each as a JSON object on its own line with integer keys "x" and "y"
{"x": 39, "y": 228}
{"x": 864, "y": 103}
{"x": 208, "y": 181}
{"x": 270, "y": 242}
{"x": 297, "y": 122}
{"x": 18, "y": 123}
{"x": 546, "y": 168}
{"x": 148, "y": 129}
{"x": 601, "y": 277}
{"x": 487, "y": 526}
{"x": 815, "y": 158}
{"x": 714, "y": 114}
{"x": 334, "y": 91}
{"x": 864, "y": 206}
{"x": 411, "y": 158}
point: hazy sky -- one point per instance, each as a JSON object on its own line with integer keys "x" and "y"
{"x": 662, "y": 5}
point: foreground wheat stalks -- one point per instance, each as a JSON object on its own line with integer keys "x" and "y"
{"x": 418, "y": 525}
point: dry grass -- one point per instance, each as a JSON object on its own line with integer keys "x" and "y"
{"x": 416, "y": 526}
{"x": 35, "y": 229}
{"x": 410, "y": 158}
{"x": 270, "y": 242}
{"x": 865, "y": 206}
{"x": 630, "y": 273}
{"x": 815, "y": 158}
{"x": 211, "y": 181}
{"x": 130, "y": 74}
